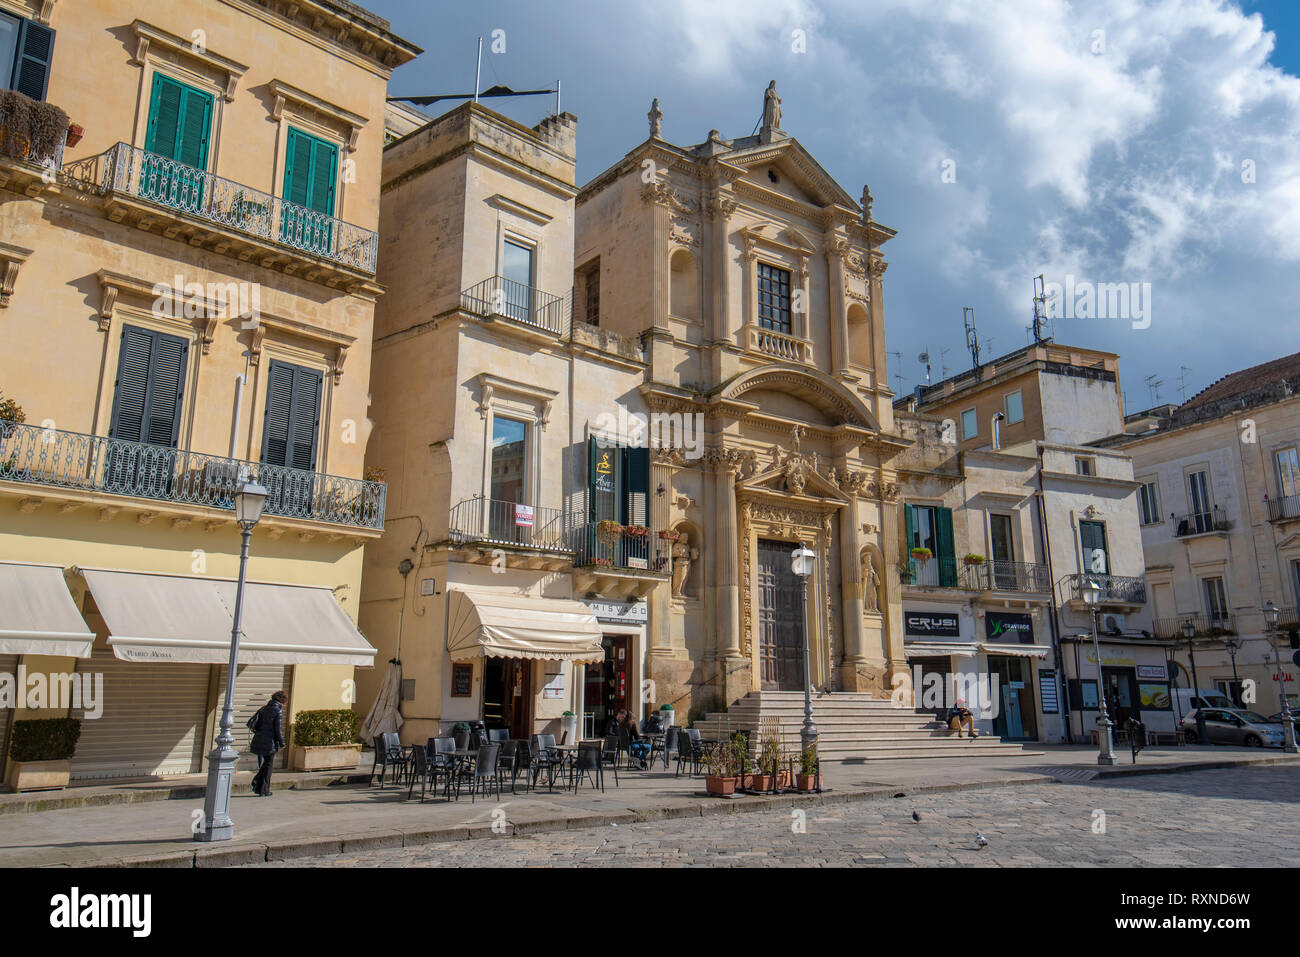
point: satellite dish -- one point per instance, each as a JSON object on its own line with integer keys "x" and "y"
{"x": 923, "y": 357}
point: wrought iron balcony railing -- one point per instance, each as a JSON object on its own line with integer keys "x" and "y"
{"x": 1115, "y": 589}
{"x": 499, "y": 296}
{"x": 1008, "y": 576}
{"x": 135, "y": 172}
{"x": 94, "y": 463}
{"x": 495, "y": 522}
{"x": 17, "y": 144}
{"x": 934, "y": 572}
{"x": 1207, "y": 626}
{"x": 1282, "y": 509}
{"x": 617, "y": 546}
{"x": 1199, "y": 523}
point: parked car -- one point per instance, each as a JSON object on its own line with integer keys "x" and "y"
{"x": 1235, "y": 726}
{"x": 1188, "y": 700}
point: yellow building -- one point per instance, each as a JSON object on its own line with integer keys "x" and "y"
{"x": 188, "y": 293}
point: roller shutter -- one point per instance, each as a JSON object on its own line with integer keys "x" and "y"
{"x": 8, "y": 666}
{"x": 254, "y": 685}
{"x": 152, "y": 722}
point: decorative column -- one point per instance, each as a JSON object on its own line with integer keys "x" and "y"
{"x": 851, "y": 575}
{"x": 727, "y": 561}
{"x": 839, "y": 320}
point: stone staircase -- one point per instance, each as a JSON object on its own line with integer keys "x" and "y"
{"x": 851, "y": 725}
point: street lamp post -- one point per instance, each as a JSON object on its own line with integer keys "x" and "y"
{"x": 1271, "y": 615}
{"x": 1189, "y": 632}
{"x": 217, "y": 825}
{"x": 1105, "y": 739}
{"x": 801, "y": 563}
{"x": 1234, "y": 645}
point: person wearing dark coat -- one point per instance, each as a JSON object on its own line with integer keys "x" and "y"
{"x": 268, "y": 737}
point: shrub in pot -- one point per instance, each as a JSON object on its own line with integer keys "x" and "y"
{"x": 807, "y": 777}
{"x": 326, "y": 740}
{"x": 720, "y": 770}
{"x": 666, "y": 715}
{"x": 40, "y": 753}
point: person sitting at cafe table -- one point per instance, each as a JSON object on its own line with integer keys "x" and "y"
{"x": 637, "y": 748}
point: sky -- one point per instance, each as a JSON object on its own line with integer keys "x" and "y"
{"x": 1153, "y": 143}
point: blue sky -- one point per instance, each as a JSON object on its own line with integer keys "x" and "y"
{"x": 1134, "y": 141}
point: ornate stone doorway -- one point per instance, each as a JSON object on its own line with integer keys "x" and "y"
{"x": 780, "y": 618}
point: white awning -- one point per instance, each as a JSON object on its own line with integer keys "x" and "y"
{"x": 487, "y": 624}
{"x": 38, "y": 615}
{"x": 1015, "y": 650}
{"x": 176, "y": 618}
{"x": 930, "y": 649}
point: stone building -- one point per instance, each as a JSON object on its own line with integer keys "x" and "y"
{"x": 188, "y": 288}
{"x": 1219, "y": 491}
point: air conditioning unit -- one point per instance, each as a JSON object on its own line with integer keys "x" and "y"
{"x": 1112, "y": 624}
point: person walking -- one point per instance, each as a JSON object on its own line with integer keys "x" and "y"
{"x": 268, "y": 737}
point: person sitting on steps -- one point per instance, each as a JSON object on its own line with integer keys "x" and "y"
{"x": 959, "y": 717}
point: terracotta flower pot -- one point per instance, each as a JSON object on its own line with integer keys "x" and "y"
{"x": 805, "y": 782}
{"x": 762, "y": 782}
{"x": 720, "y": 785}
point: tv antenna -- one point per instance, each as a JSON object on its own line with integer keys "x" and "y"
{"x": 1040, "y": 310}
{"x": 1153, "y": 387}
{"x": 498, "y": 90}
{"x": 943, "y": 366}
{"x": 1182, "y": 381}
{"x": 972, "y": 342}
{"x": 924, "y": 359}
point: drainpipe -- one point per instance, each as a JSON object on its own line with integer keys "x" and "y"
{"x": 239, "y": 408}
{"x": 1062, "y": 686}
{"x": 997, "y": 434}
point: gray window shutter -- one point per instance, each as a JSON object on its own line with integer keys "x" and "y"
{"x": 149, "y": 388}
{"x": 31, "y": 76}
{"x": 292, "y": 416}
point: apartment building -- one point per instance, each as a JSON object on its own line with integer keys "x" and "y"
{"x": 189, "y": 287}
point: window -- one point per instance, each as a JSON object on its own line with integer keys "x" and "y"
{"x": 1288, "y": 472}
{"x": 1092, "y": 538}
{"x": 26, "y": 48}
{"x": 291, "y": 423}
{"x": 930, "y": 526}
{"x": 509, "y": 460}
{"x": 1014, "y": 408}
{"x": 1149, "y": 504}
{"x": 619, "y": 483}
{"x": 1085, "y": 466}
{"x": 180, "y": 123}
{"x": 774, "y": 298}
{"x": 1216, "y": 601}
{"x": 310, "y": 172}
{"x": 970, "y": 426}
{"x": 517, "y": 271}
{"x": 591, "y": 293}
{"x": 149, "y": 387}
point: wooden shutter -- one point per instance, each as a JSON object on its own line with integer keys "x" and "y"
{"x": 180, "y": 122}
{"x": 31, "y": 76}
{"x": 636, "y": 486}
{"x": 310, "y": 172}
{"x": 909, "y": 520}
{"x": 292, "y": 420}
{"x": 195, "y": 124}
{"x": 150, "y": 386}
{"x": 164, "y": 117}
{"x": 324, "y": 173}
{"x": 944, "y": 545}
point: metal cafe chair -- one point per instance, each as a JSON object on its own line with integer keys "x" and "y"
{"x": 588, "y": 763}
{"x": 485, "y": 772}
{"x": 609, "y": 754}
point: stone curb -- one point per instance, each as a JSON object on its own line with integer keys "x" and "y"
{"x": 416, "y": 836}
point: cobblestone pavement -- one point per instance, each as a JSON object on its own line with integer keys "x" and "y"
{"x": 1238, "y": 818}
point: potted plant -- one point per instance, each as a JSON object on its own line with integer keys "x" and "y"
{"x": 922, "y": 554}
{"x": 669, "y": 535}
{"x": 720, "y": 770}
{"x": 40, "y": 753}
{"x": 326, "y": 740}
{"x": 608, "y": 531}
{"x": 769, "y": 760}
{"x": 569, "y": 726}
{"x": 75, "y": 132}
{"x": 972, "y": 559}
{"x": 666, "y": 715}
{"x": 636, "y": 531}
{"x": 740, "y": 747}
{"x": 807, "y": 776}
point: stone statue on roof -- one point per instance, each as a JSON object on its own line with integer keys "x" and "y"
{"x": 771, "y": 108}
{"x": 656, "y": 117}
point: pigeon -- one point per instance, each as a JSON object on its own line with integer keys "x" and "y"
{"x": 916, "y": 817}
{"x": 981, "y": 840}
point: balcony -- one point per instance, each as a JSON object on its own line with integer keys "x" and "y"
{"x": 31, "y": 144}
{"x": 527, "y": 306}
{"x": 1200, "y": 523}
{"x": 79, "y": 463}
{"x": 494, "y": 523}
{"x": 1284, "y": 509}
{"x": 1008, "y": 576}
{"x": 1116, "y": 590}
{"x": 149, "y": 190}
{"x": 1207, "y": 626}
{"x": 931, "y": 573}
{"x": 779, "y": 345}
{"x": 617, "y": 560}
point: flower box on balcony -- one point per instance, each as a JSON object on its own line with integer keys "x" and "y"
{"x": 669, "y": 536}
{"x": 30, "y": 129}
{"x": 973, "y": 559}
{"x": 75, "y": 132}
{"x": 922, "y": 554}
{"x": 636, "y": 531}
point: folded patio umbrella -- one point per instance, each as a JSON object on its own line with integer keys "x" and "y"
{"x": 385, "y": 714}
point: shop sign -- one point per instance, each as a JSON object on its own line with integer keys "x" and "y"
{"x": 1008, "y": 627}
{"x": 524, "y": 516}
{"x": 623, "y": 612}
{"x": 1047, "y": 690}
{"x": 1156, "y": 672}
{"x": 932, "y": 624}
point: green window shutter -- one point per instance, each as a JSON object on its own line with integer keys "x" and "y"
{"x": 164, "y": 117}
{"x": 909, "y": 519}
{"x": 31, "y": 76}
{"x": 195, "y": 126}
{"x": 310, "y": 172}
{"x": 180, "y": 122}
{"x": 292, "y": 420}
{"x": 944, "y": 543}
{"x": 636, "y": 486}
{"x": 150, "y": 387}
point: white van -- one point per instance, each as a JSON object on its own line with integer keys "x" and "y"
{"x": 1186, "y": 700}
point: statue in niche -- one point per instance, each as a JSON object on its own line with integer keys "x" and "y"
{"x": 870, "y": 585}
{"x": 683, "y": 555}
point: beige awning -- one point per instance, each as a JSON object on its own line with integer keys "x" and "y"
{"x": 932, "y": 648}
{"x": 1016, "y": 650}
{"x": 487, "y": 624}
{"x": 38, "y": 615}
{"x": 154, "y": 617}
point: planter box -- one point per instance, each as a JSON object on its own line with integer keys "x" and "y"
{"x": 334, "y": 757}
{"x": 805, "y": 782}
{"x": 38, "y": 775}
{"x": 761, "y": 782}
{"x": 721, "y": 786}
{"x": 666, "y": 718}
{"x": 569, "y": 727}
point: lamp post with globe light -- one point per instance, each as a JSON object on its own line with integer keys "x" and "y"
{"x": 217, "y": 825}
{"x": 802, "y": 562}
{"x": 1105, "y": 740}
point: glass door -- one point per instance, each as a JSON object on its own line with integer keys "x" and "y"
{"x": 1004, "y": 555}
{"x": 1198, "y": 497}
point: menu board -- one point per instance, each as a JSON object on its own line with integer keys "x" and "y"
{"x": 1047, "y": 690}
{"x": 462, "y": 681}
